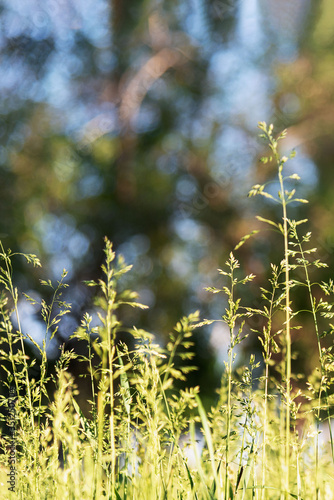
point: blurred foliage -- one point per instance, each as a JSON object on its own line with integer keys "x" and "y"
{"x": 137, "y": 120}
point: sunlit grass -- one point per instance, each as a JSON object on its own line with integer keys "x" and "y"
{"x": 144, "y": 439}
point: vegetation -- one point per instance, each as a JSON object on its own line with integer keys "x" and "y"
{"x": 144, "y": 438}
{"x": 121, "y": 119}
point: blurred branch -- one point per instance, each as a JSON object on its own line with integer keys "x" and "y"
{"x": 138, "y": 87}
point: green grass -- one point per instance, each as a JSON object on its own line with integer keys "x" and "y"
{"x": 140, "y": 438}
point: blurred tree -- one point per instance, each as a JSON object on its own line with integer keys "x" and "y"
{"x": 97, "y": 141}
{"x": 136, "y": 120}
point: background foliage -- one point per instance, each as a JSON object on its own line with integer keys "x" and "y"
{"x": 137, "y": 120}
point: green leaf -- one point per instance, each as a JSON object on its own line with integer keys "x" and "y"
{"x": 243, "y": 240}
{"x": 212, "y": 289}
{"x": 267, "y": 195}
{"x": 300, "y": 222}
{"x": 134, "y": 304}
{"x": 205, "y": 322}
{"x": 190, "y": 478}
{"x": 293, "y": 176}
{"x": 266, "y": 159}
{"x": 301, "y": 200}
{"x": 262, "y": 219}
{"x": 124, "y": 382}
{"x": 207, "y": 435}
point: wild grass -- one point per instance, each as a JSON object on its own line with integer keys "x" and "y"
{"x": 142, "y": 438}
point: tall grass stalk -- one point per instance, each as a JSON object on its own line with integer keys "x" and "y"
{"x": 268, "y": 343}
{"x": 284, "y": 196}
{"x": 7, "y": 282}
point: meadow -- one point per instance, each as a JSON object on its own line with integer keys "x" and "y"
{"x": 266, "y": 436}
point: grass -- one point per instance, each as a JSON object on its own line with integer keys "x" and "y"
{"x": 144, "y": 439}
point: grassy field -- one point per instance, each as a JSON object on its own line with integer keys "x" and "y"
{"x": 264, "y": 438}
